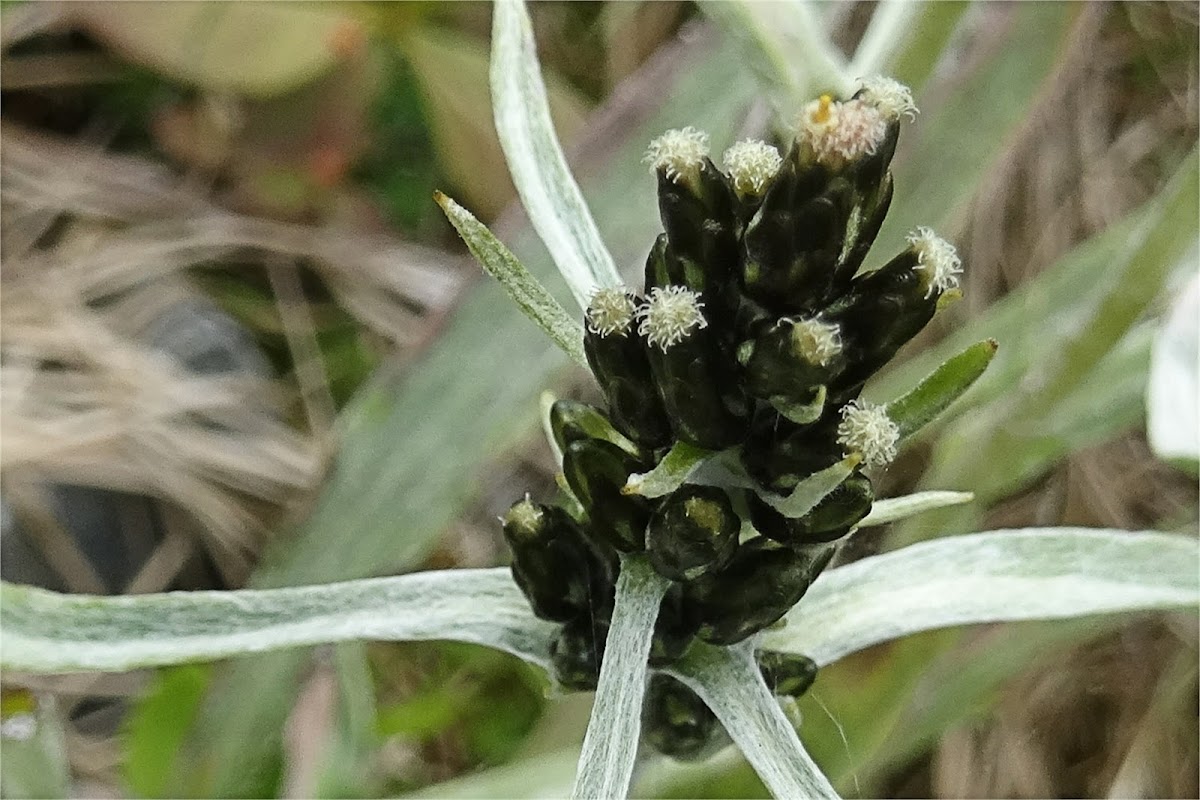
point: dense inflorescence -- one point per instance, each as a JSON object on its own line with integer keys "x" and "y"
{"x": 753, "y": 334}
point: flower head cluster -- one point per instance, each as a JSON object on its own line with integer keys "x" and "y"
{"x": 755, "y": 333}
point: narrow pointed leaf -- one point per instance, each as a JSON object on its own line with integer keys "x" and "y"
{"x": 539, "y": 168}
{"x": 999, "y": 576}
{"x": 813, "y": 489}
{"x": 730, "y": 683}
{"x": 610, "y": 745}
{"x": 51, "y": 632}
{"x": 535, "y": 300}
{"x": 677, "y": 465}
{"x": 894, "y": 508}
{"x": 933, "y": 395}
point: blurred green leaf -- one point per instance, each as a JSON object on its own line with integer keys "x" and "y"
{"x": 35, "y": 754}
{"x": 997, "y": 451}
{"x": 1172, "y": 425}
{"x": 256, "y": 49}
{"x": 530, "y": 296}
{"x": 157, "y": 725}
{"x": 786, "y": 45}
{"x": 947, "y": 151}
{"x": 453, "y": 72}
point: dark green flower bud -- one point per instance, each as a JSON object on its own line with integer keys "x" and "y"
{"x": 758, "y": 586}
{"x": 617, "y": 355}
{"x": 791, "y": 357}
{"x": 674, "y": 630}
{"x": 676, "y": 722}
{"x": 833, "y": 517}
{"x": 560, "y": 572}
{"x": 576, "y": 653}
{"x": 787, "y": 674}
{"x": 887, "y": 307}
{"x": 693, "y": 532}
{"x": 596, "y": 471}
{"x": 572, "y": 420}
{"x": 703, "y": 399}
{"x": 779, "y": 453}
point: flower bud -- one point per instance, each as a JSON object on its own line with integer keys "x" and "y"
{"x": 572, "y": 420}
{"x": 577, "y": 651}
{"x": 555, "y": 566}
{"x": 596, "y": 471}
{"x": 693, "y": 532}
{"x": 760, "y": 584}
{"x": 674, "y": 630}
{"x": 831, "y": 519}
{"x": 787, "y": 674}
{"x": 617, "y": 355}
{"x": 885, "y": 308}
{"x": 676, "y": 722}
{"x": 791, "y": 357}
{"x": 701, "y": 395}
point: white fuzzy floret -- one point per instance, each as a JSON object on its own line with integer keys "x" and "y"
{"x": 839, "y": 133}
{"x": 679, "y": 152}
{"x": 611, "y": 311}
{"x": 937, "y": 260}
{"x": 670, "y": 314}
{"x": 752, "y": 164}
{"x": 867, "y": 429}
{"x": 893, "y": 99}
{"x": 817, "y": 341}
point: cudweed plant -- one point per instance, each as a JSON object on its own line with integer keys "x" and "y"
{"x": 682, "y": 573}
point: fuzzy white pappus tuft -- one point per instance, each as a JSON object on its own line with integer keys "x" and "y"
{"x": 937, "y": 261}
{"x": 839, "y": 133}
{"x": 670, "y": 314}
{"x": 867, "y": 429}
{"x": 612, "y": 310}
{"x": 679, "y": 152}
{"x": 816, "y": 341}
{"x": 752, "y": 164}
{"x": 891, "y": 97}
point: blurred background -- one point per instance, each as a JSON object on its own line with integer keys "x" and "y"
{"x": 241, "y": 347}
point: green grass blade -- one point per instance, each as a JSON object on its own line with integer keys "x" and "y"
{"x": 934, "y": 394}
{"x": 730, "y": 683}
{"x": 611, "y": 743}
{"x": 894, "y": 508}
{"x": 535, "y": 159}
{"x": 47, "y": 632}
{"x": 1000, "y": 576}
{"x": 534, "y": 300}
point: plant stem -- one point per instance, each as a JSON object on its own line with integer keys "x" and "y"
{"x": 610, "y": 745}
